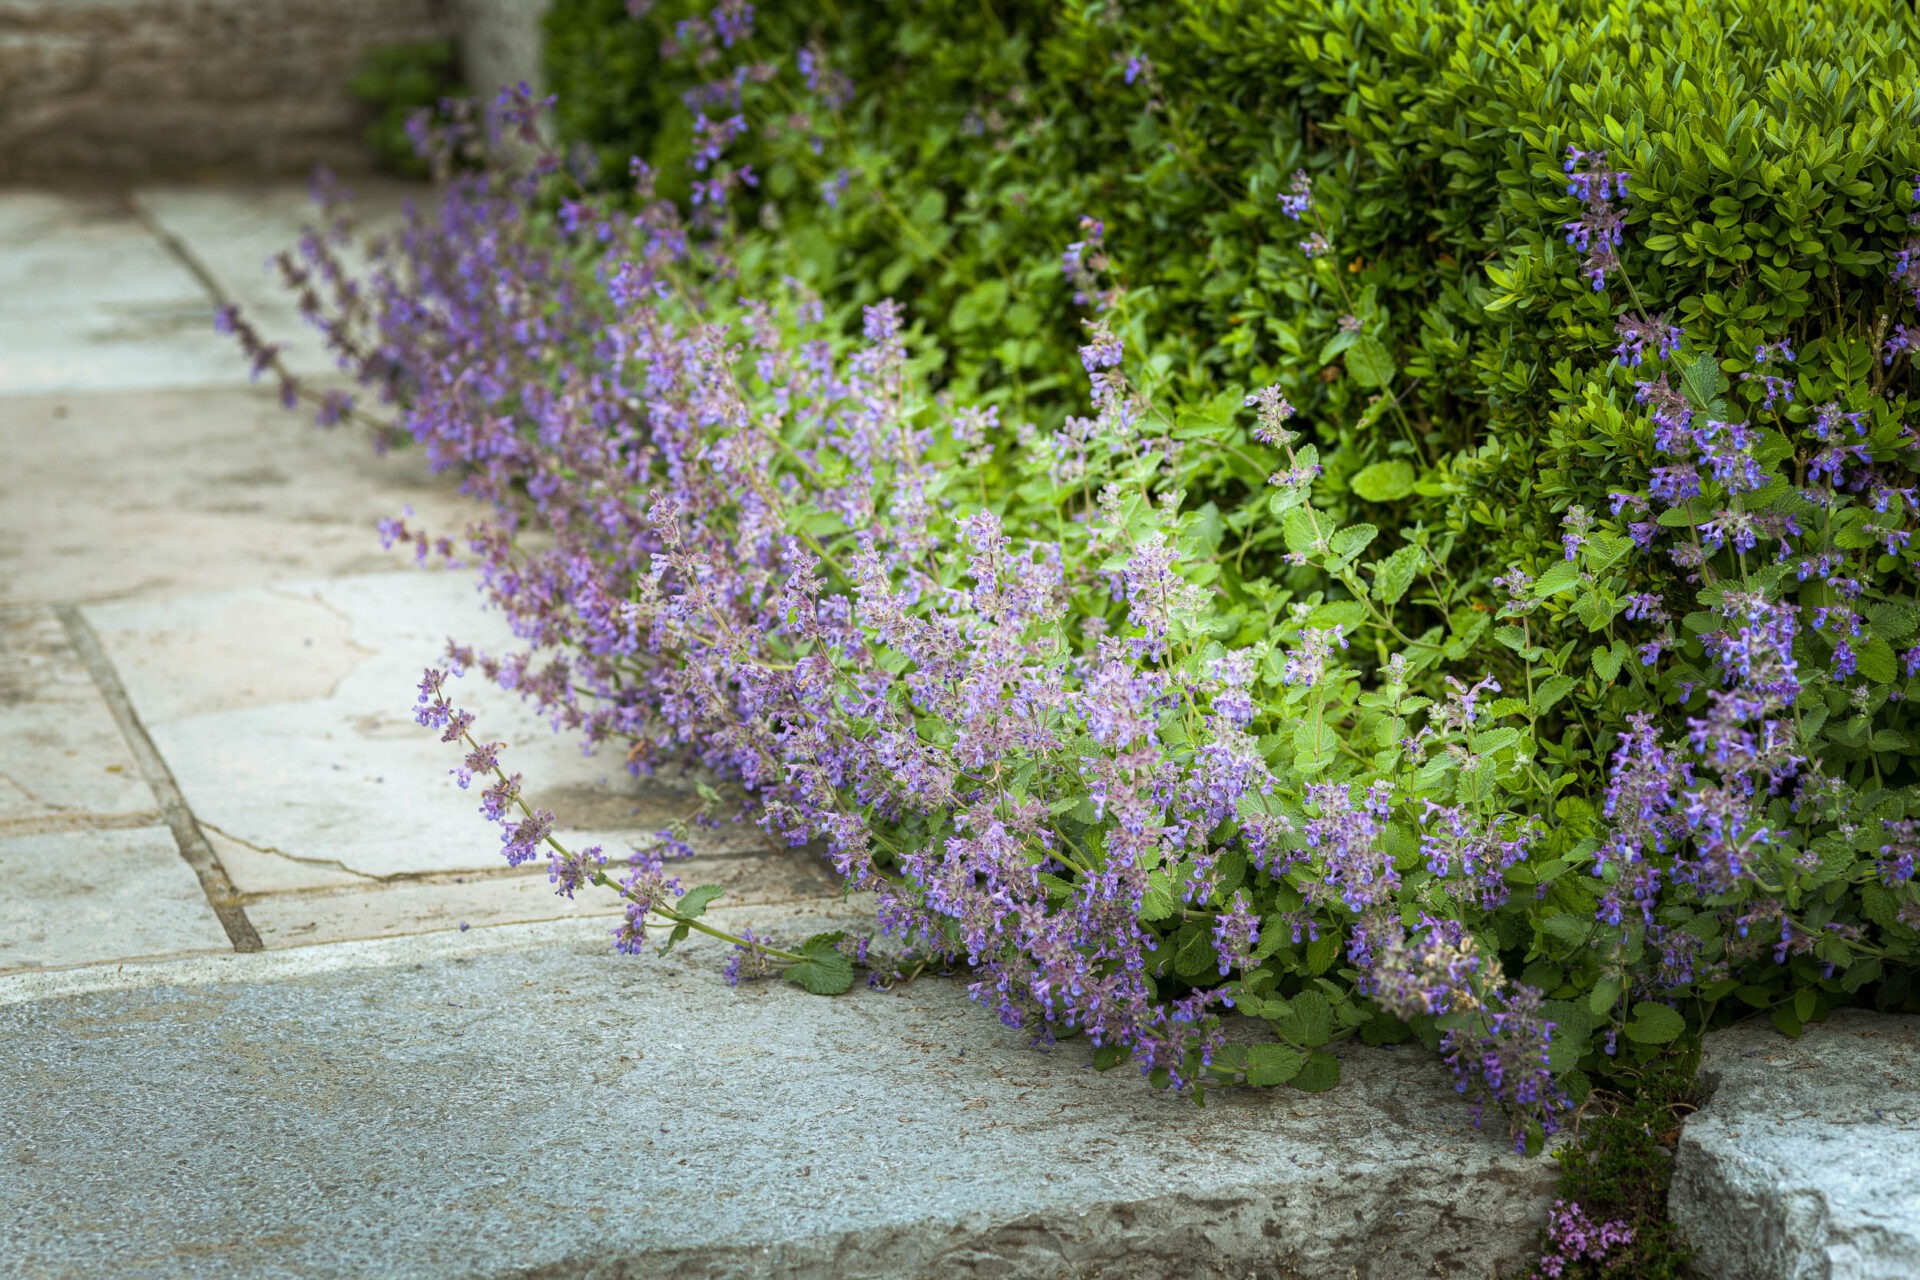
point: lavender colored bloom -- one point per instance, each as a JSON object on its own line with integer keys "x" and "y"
{"x": 1306, "y": 665}
{"x": 1297, "y": 199}
{"x": 1596, "y": 233}
{"x": 1236, "y": 931}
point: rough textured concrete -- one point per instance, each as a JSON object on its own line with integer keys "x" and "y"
{"x": 285, "y": 714}
{"x": 1805, "y": 1165}
{"x": 63, "y": 763}
{"x": 559, "y": 1111}
{"x": 138, "y": 87}
{"x": 89, "y": 897}
{"x": 150, "y": 494}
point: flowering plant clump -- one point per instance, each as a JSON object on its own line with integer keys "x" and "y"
{"x": 1137, "y": 755}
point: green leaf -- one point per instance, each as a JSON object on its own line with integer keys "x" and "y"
{"x": 821, "y": 969}
{"x": 1196, "y": 957}
{"x": 1396, "y": 573}
{"x": 1352, "y": 540}
{"x": 1605, "y": 995}
{"x": 1607, "y": 662}
{"x": 1315, "y": 1016}
{"x": 1321, "y": 953}
{"x": 693, "y": 903}
{"x": 1551, "y": 691}
{"x": 1321, "y": 1073}
{"x": 1562, "y": 576}
{"x": 1876, "y": 662}
{"x": 1368, "y": 362}
{"x": 1704, "y": 383}
{"x": 1605, "y": 548}
{"x": 1655, "y": 1024}
{"x": 1272, "y": 1064}
{"x": 1384, "y": 481}
{"x": 1569, "y": 928}
{"x": 1158, "y": 902}
{"x": 1596, "y": 610}
{"x": 1109, "y": 1056}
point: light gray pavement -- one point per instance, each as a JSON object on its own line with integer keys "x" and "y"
{"x": 202, "y": 642}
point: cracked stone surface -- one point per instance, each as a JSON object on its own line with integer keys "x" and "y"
{"x": 158, "y": 492}
{"x": 286, "y": 715}
{"x": 63, "y": 762}
{"x": 1805, "y": 1164}
{"x": 554, "y": 1110}
{"x": 89, "y": 897}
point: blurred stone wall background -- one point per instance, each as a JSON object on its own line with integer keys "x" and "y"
{"x": 119, "y": 89}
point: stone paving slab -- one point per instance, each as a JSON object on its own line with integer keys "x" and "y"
{"x": 392, "y": 908}
{"x": 90, "y": 301}
{"x": 1805, "y": 1163}
{"x": 92, "y": 897}
{"x": 149, "y": 493}
{"x": 63, "y": 763}
{"x": 285, "y": 714}
{"x": 554, "y": 1110}
{"x": 233, "y": 233}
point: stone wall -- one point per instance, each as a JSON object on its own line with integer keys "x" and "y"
{"x": 175, "y": 88}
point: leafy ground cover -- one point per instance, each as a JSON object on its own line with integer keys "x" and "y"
{"x": 1422, "y": 553}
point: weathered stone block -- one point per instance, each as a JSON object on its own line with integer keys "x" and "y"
{"x": 559, "y": 1111}
{"x": 1805, "y": 1165}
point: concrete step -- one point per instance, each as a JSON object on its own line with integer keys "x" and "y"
{"x": 525, "y": 1103}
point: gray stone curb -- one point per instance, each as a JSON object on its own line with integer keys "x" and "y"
{"x": 1805, "y": 1163}
{"x": 534, "y": 1106}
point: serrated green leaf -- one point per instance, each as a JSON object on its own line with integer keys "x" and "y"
{"x": 693, "y": 903}
{"x": 1562, "y": 575}
{"x": 1607, "y": 662}
{"x": 1551, "y": 690}
{"x": 1384, "y": 481}
{"x": 1369, "y": 363}
{"x": 1158, "y": 902}
{"x": 1273, "y": 1064}
{"x": 1605, "y": 994}
{"x": 1568, "y": 928}
{"x": 1321, "y": 1073}
{"x": 1396, "y": 573}
{"x": 821, "y": 969}
{"x": 1877, "y": 663}
{"x": 1315, "y": 1016}
{"x": 1352, "y": 540}
{"x": 1655, "y": 1023}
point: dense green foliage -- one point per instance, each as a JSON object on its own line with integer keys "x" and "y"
{"x": 1470, "y": 400}
{"x": 397, "y": 82}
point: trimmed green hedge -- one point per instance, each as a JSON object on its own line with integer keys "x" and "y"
{"x": 1769, "y": 148}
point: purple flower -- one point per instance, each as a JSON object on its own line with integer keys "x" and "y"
{"x": 1297, "y": 199}
{"x": 1306, "y": 665}
{"x": 1236, "y": 931}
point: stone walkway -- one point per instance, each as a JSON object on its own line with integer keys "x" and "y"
{"x": 205, "y": 658}
{"x": 272, "y": 1005}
